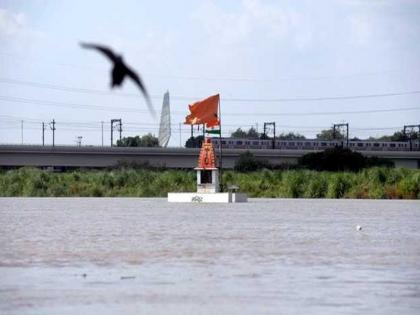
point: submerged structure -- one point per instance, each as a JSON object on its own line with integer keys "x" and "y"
{"x": 208, "y": 188}
{"x": 207, "y": 172}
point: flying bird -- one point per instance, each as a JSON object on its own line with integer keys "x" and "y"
{"x": 120, "y": 71}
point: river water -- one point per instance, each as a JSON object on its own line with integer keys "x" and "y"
{"x": 146, "y": 256}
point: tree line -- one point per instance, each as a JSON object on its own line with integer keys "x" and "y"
{"x": 326, "y": 134}
{"x": 149, "y": 140}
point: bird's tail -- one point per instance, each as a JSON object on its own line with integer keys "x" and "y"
{"x": 150, "y": 106}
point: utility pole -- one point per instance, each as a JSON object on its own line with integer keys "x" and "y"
{"x": 112, "y": 132}
{"x": 266, "y": 124}
{"x": 180, "y": 139}
{"x": 274, "y": 136}
{"x": 112, "y": 129}
{"x": 52, "y": 127}
{"x": 411, "y": 133}
{"x": 336, "y": 127}
{"x": 120, "y": 128}
{"x": 79, "y": 141}
{"x": 102, "y": 128}
{"x": 21, "y": 130}
{"x": 43, "y": 133}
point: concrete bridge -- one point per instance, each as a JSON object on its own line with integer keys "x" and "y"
{"x": 100, "y": 157}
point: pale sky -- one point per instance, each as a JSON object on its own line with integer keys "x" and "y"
{"x": 267, "y": 59}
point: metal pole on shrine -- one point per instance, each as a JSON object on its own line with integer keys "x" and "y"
{"x": 220, "y": 150}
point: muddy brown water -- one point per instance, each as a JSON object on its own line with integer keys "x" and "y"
{"x": 146, "y": 256}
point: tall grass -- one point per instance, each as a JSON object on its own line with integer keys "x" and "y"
{"x": 373, "y": 183}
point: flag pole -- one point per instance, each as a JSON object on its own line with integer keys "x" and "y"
{"x": 220, "y": 149}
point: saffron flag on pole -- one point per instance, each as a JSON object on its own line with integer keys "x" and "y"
{"x": 204, "y": 112}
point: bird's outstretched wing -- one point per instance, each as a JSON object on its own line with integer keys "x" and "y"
{"x": 139, "y": 82}
{"x": 103, "y": 49}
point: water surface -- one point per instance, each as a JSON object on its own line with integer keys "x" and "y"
{"x": 129, "y": 255}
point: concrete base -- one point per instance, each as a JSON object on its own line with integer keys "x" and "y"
{"x": 227, "y": 197}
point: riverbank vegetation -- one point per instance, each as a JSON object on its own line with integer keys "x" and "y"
{"x": 334, "y": 159}
{"x": 376, "y": 182}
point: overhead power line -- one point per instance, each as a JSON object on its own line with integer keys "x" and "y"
{"x": 401, "y": 109}
{"x": 11, "y": 120}
{"x": 66, "y": 126}
{"x": 95, "y": 125}
{"x": 212, "y": 78}
{"x": 322, "y": 98}
{"x": 68, "y": 105}
{"x": 190, "y": 98}
{"x": 130, "y": 109}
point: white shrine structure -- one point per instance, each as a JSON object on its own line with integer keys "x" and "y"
{"x": 208, "y": 189}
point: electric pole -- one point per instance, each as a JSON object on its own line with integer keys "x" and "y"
{"x": 43, "y": 133}
{"x": 119, "y": 125}
{"x": 411, "y": 134}
{"x": 266, "y": 124}
{"x": 52, "y": 127}
{"x": 102, "y": 127}
{"x": 180, "y": 140}
{"x": 112, "y": 132}
{"x": 21, "y": 130}
{"x": 120, "y": 128}
{"x": 79, "y": 141}
{"x": 336, "y": 127}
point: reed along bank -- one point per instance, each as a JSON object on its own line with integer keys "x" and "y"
{"x": 371, "y": 183}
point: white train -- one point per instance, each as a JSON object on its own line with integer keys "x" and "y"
{"x": 310, "y": 144}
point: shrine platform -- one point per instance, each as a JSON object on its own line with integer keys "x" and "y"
{"x": 228, "y": 197}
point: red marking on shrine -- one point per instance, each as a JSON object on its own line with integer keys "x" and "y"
{"x": 207, "y": 158}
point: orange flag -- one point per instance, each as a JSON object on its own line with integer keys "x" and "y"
{"x": 204, "y": 112}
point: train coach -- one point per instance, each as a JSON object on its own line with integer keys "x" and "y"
{"x": 310, "y": 144}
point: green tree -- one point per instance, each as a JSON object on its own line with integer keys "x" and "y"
{"x": 250, "y": 134}
{"x": 239, "y": 133}
{"x": 248, "y": 163}
{"x": 397, "y": 136}
{"x": 340, "y": 159}
{"x": 291, "y": 136}
{"x": 129, "y": 142}
{"x": 328, "y": 134}
{"x": 334, "y": 159}
{"x": 194, "y": 142}
{"x": 147, "y": 140}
